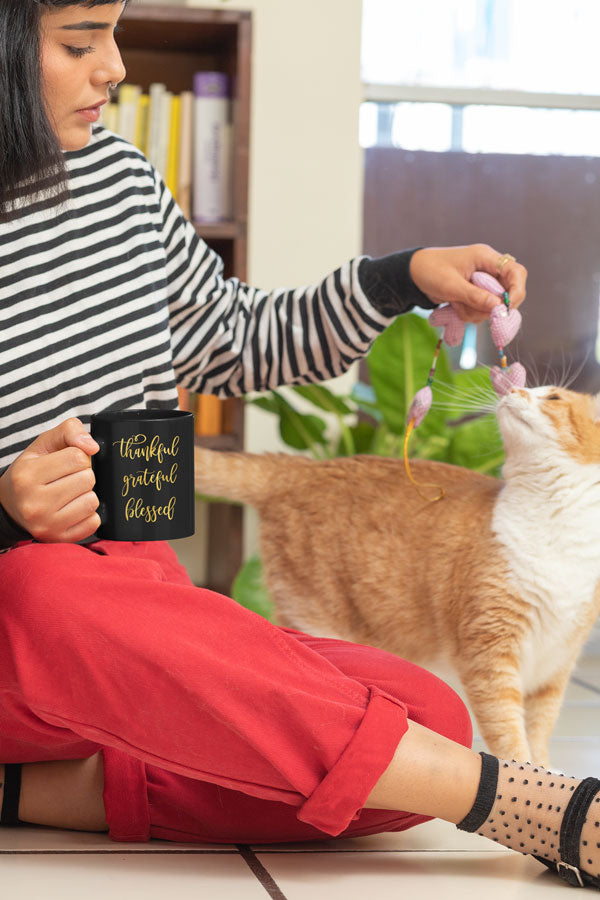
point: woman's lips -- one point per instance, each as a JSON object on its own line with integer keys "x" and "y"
{"x": 92, "y": 113}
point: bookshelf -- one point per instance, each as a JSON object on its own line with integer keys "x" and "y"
{"x": 169, "y": 44}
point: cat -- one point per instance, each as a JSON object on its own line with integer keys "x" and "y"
{"x": 500, "y": 577}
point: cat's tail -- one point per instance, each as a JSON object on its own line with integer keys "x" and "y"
{"x": 244, "y": 477}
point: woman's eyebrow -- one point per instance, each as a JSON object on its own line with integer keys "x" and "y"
{"x": 87, "y": 26}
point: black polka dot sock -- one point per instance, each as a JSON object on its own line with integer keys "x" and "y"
{"x": 529, "y": 809}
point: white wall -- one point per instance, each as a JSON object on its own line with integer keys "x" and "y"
{"x": 305, "y": 162}
{"x": 305, "y": 215}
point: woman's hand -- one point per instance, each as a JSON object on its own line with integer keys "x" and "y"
{"x": 444, "y": 273}
{"x": 48, "y": 489}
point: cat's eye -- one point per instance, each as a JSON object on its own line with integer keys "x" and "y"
{"x": 553, "y": 397}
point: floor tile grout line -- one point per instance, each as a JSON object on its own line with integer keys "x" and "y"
{"x": 373, "y": 850}
{"x": 586, "y": 684}
{"x": 236, "y": 852}
{"x": 261, "y": 873}
{"x": 90, "y": 852}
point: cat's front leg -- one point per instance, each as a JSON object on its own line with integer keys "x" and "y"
{"x": 542, "y": 707}
{"x": 493, "y": 688}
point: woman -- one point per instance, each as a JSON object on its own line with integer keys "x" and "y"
{"x": 133, "y": 701}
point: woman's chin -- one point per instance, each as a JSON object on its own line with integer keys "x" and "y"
{"x": 76, "y": 138}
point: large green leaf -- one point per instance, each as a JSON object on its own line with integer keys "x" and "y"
{"x": 476, "y": 444}
{"x": 362, "y": 436}
{"x": 303, "y": 432}
{"x": 471, "y": 391}
{"x": 323, "y": 398}
{"x": 249, "y": 589}
{"x": 399, "y": 363}
{"x": 266, "y": 402}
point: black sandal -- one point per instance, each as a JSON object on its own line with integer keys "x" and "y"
{"x": 570, "y": 836}
{"x": 9, "y": 817}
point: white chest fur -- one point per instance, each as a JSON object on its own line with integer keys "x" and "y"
{"x": 548, "y": 523}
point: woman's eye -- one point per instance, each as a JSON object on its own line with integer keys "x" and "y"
{"x": 79, "y": 51}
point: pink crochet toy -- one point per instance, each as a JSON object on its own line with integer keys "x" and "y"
{"x": 504, "y": 325}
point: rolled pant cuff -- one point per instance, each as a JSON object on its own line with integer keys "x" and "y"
{"x": 125, "y": 797}
{"x": 344, "y": 790}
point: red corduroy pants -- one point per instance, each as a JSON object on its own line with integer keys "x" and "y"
{"x": 214, "y": 724}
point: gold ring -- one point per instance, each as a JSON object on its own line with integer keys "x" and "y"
{"x": 503, "y": 260}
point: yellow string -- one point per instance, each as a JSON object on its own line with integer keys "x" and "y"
{"x": 418, "y": 485}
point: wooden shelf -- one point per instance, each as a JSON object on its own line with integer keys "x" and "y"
{"x": 218, "y": 442}
{"x": 169, "y": 44}
{"x": 219, "y": 231}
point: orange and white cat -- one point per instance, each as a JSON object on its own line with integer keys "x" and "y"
{"x": 501, "y": 577}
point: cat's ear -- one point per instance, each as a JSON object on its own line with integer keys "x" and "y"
{"x": 596, "y": 408}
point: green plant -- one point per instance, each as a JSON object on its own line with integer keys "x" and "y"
{"x": 372, "y": 419}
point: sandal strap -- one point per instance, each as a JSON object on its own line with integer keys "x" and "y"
{"x": 570, "y": 834}
{"x": 9, "y": 817}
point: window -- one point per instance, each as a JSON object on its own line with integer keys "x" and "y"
{"x": 482, "y": 76}
{"x": 540, "y": 46}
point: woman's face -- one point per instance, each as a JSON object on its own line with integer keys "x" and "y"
{"x": 80, "y": 59}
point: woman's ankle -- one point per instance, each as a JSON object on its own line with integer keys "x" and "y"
{"x": 551, "y": 816}
{"x": 64, "y": 794}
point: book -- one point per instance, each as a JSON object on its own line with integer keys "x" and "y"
{"x": 155, "y": 119}
{"x": 185, "y": 398}
{"x": 207, "y": 415}
{"x": 141, "y": 123}
{"x": 185, "y": 168}
{"x": 212, "y": 148}
{"x": 164, "y": 133}
{"x": 110, "y": 117}
{"x": 128, "y": 101}
{"x": 172, "y": 175}
{"x": 187, "y": 138}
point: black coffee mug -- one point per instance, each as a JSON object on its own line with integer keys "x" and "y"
{"x": 144, "y": 474}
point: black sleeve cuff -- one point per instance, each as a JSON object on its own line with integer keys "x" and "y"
{"x": 387, "y": 283}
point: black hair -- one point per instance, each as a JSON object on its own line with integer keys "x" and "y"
{"x": 31, "y": 159}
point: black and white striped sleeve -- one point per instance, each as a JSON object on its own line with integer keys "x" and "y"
{"x": 229, "y": 338}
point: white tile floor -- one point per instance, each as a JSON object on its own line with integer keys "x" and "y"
{"x": 431, "y": 860}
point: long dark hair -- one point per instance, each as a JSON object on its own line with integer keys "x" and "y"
{"x": 31, "y": 159}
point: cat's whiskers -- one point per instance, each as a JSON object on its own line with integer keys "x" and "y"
{"x": 452, "y": 391}
{"x": 476, "y": 398}
{"x": 478, "y": 406}
{"x": 570, "y": 378}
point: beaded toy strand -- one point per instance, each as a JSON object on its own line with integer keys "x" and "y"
{"x": 504, "y": 325}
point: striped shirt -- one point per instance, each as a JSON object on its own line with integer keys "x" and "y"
{"x": 112, "y": 299}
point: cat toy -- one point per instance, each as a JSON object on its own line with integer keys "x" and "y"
{"x": 504, "y": 325}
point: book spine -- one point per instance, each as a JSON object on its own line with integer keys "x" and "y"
{"x": 131, "y": 105}
{"x": 208, "y": 416}
{"x": 184, "y": 180}
{"x": 185, "y": 398}
{"x": 212, "y": 169}
{"x": 164, "y": 133}
{"x": 156, "y": 93}
{"x": 141, "y": 124}
{"x": 110, "y": 117}
{"x": 172, "y": 177}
